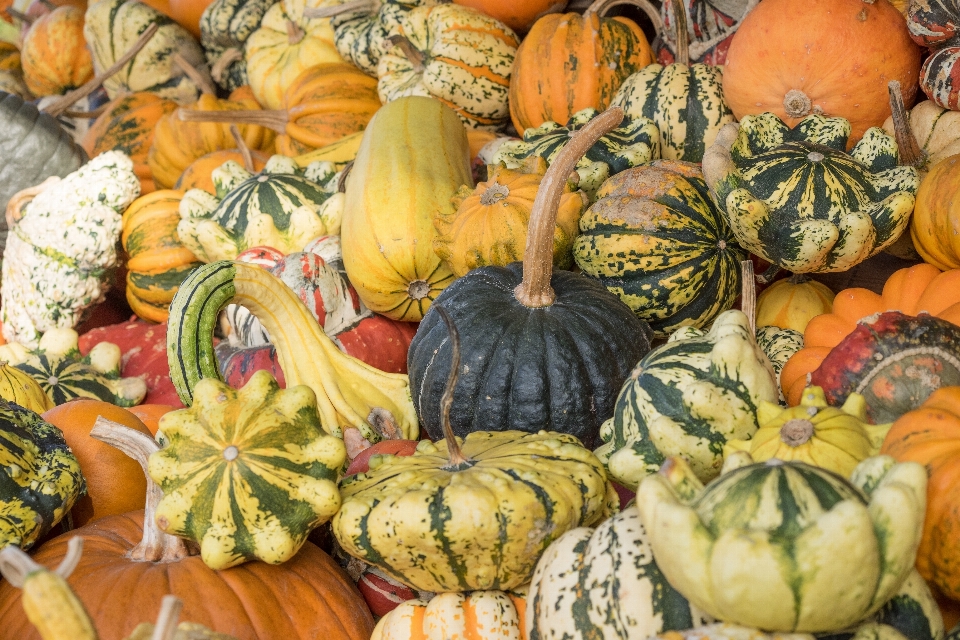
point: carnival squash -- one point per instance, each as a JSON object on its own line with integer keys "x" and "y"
{"x": 54, "y": 55}
{"x": 792, "y": 302}
{"x": 933, "y": 25}
{"x": 779, "y": 345}
{"x": 825, "y": 57}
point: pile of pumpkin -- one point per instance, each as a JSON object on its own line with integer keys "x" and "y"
{"x": 443, "y": 319}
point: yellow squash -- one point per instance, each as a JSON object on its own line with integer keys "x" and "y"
{"x": 16, "y": 386}
{"x": 413, "y": 158}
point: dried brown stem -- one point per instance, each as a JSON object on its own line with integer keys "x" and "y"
{"x": 219, "y": 69}
{"x": 681, "y": 38}
{"x": 414, "y": 55}
{"x": 198, "y": 78}
{"x": 242, "y": 148}
{"x": 271, "y": 119}
{"x": 295, "y": 32}
{"x": 910, "y": 152}
{"x": 748, "y": 294}
{"x": 96, "y": 113}
{"x": 366, "y": 6}
{"x": 21, "y": 16}
{"x": 454, "y": 453}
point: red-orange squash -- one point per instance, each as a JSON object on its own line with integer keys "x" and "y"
{"x": 54, "y": 54}
{"x": 187, "y": 13}
{"x": 833, "y": 57}
{"x": 519, "y": 16}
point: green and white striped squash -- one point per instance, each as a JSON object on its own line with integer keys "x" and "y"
{"x": 224, "y": 28}
{"x": 797, "y": 199}
{"x": 686, "y": 102}
{"x": 281, "y": 207}
{"x": 40, "y": 478}
{"x": 727, "y": 631}
{"x": 786, "y": 546}
{"x": 636, "y": 141}
{"x": 779, "y": 345}
{"x": 605, "y": 583}
{"x": 64, "y": 374}
{"x": 247, "y": 474}
{"x": 913, "y": 611}
{"x": 687, "y": 398}
{"x": 361, "y": 35}
{"x": 656, "y": 240}
{"x": 111, "y": 27}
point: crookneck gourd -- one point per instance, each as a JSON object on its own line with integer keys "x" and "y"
{"x": 814, "y": 552}
{"x": 656, "y": 240}
{"x": 542, "y": 349}
{"x": 349, "y": 392}
{"x": 634, "y": 142}
{"x": 281, "y": 207}
{"x": 247, "y": 473}
{"x": 437, "y": 503}
{"x": 795, "y": 197}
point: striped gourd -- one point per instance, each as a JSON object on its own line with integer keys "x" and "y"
{"x": 635, "y": 142}
{"x": 361, "y": 35}
{"x": 913, "y": 611}
{"x": 406, "y": 509}
{"x": 787, "y": 546}
{"x": 224, "y": 28}
{"x": 247, "y": 473}
{"x": 486, "y": 615}
{"x": 797, "y": 199}
{"x": 655, "y": 239}
{"x": 456, "y": 54}
{"x": 19, "y": 388}
{"x": 779, "y": 345}
{"x": 53, "y": 54}
{"x": 687, "y": 398}
{"x": 686, "y": 102}
{"x": 605, "y": 583}
{"x": 111, "y": 28}
{"x": 347, "y": 390}
{"x": 40, "y": 478}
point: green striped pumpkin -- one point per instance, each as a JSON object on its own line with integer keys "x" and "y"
{"x": 779, "y": 345}
{"x": 797, "y": 199}
{"x": 605, "y": 583}
{"x": 655, "y": 239}
{"x": 687, "y": 398}
{"x": 224, "y": 28}
{"x": 360, "y": 36}
{"x": 40, "y": 478}
{"x": 686, "y": 102}
{"x": 247, "y": 474}
{"x": 636, "y": 141}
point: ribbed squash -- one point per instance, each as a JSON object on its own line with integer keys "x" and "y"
{"x": 656, "y": 240}
{"x": 54, "y": 55}
{"x": 127, "y": 125}
{"x": 456, "y": 54}
{"x": 605, "y": 583}
{"x": 480, "y": 614}
{"x": 361, "y": 34}
{"x": 779, "y": 345}
{"x": 282, "y": 48}
{"x": 413, "y": 158}
{"x": 813, "y": 552}
{"x": 570, "y": 62}
{"x": 199, "y": 175}
{"x": 224, "y": 28}
{"x": 489, "y": 226}
{"x": 935, "y": 223}
{"x": 791, "y": 303}
{"x": 157, "y": 262}
{"x": 19, "y": 388}
{"x": 795, "y": 198}
{"x": 40, "y": 478}
{"x": 935, "y": 129}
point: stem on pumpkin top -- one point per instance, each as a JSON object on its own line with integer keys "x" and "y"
{"x": 681, "y": 38}
{"x": 910, "y": 152}
{"x": 219, "y": 69}
{"x": 414, "y": 55}
{"x": 748, "y": 294}
{"x": 275, "y": 119}
{"x": 199, "y": 79}
{"x": 242, "y": 148}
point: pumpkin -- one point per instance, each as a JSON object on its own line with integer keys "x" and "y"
{"x": 931, "y": 25}
{"x": 199, "y": 175}
{"x": 40, "y": 477}
{"x": 279, "y": 208}
{"x": 936, "y": 220}
{"x": 929, "y": 435}
{"x": 518, "y": 16}
{"x": 167, "y": 626}
{"x": 347, "y": 389}
{"x": 911, "y": 290}
{"x": 605, "y": 583}
{"x": 779, "y": 345}
{"x": 111, "y": 27}
{"x": 282, "y": 48}
{"x": 636, "y": 141}
{"x": 127, "y": 125}
{"x": 830, "y": 57}
{"x": 157, "y": 262}
{"x": 54, "y": 54}
{"x": 237, "y": 444}
{"x": 489, "y": 225}
{"x": 455, "y": 54}
{"x": 656, "y": 240}
{"x": 792, "y": 302}
{"x": 254, "y": 602}
{"x": 150, "y": 415}
{"x": 570, "y": 62}
{"x": 412, "y": 159}
{"x": 684, "y": 100}
{"x": 19, "y": 388}
{"x": 188, "y": 13}
{"x": 710, "y": 27}
{"x": 437, "y": 504}
{"x": 798, "y": 200}
{"x": 542, "y": 349}
{"x": 115, "y": 483}
{"x": 480, "y": 614}
{"x": 817, "y": 568}
{"x": 224, "y": 28}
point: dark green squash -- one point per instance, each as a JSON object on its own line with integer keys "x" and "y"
{"x": 540, "y": 349}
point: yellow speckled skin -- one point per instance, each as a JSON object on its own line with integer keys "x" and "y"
{"x": 54, "y": 610}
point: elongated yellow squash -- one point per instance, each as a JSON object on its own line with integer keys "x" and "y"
{"x": 413, "y": 158}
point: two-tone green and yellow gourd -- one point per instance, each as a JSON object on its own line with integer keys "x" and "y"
{"x": 361, "y": 33}
{"x": 19, "y": 388}
{"x": 779, "y": 345}
{"x": 248, "y": 473}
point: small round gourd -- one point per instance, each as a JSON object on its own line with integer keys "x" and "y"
{"x": 791, "y": 303}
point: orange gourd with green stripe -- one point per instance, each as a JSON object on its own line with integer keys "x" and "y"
{"x": 54, "y": 54}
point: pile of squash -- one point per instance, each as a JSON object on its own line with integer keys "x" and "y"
{"x": 479, "y": 319}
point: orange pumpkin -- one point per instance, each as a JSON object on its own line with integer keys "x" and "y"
{"x": 150, "y": 414}
{"x": 516, "y": 15}
{"x": 569, "y": 62}
{"x": 833, "y": 57}
{"x": 187, "y": 13}
{"x": 127, "y": 125}
{"x": 54, "y": 54}
{"x": 935, "y": 225}
{"x": 930, "y": 435}
{"x": 197, "y": 175}
{"x": 115, "y": 483}
{"x": 911, "y": 290}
